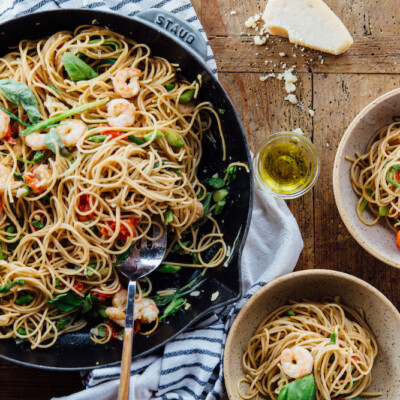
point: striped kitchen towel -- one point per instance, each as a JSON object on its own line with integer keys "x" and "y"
{"x": 190, "y": 366}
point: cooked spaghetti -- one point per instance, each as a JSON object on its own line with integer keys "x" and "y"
{"x": 327, "y": 344}
{"x": 99, "y": 141}
{"x": 375, "y": 176}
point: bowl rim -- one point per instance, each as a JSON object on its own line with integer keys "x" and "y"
{"x": 292, "y": 276}
{"x": 336, "y": 178}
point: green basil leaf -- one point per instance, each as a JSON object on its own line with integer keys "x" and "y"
{"x": 215, "y": 183}
{"x": 231, "y": 174}
{"x": 77, "y": 69}
{"x": 27, "y": 298}
{"x": 54, "y": 89}
{"x": 7, "y": 287}
{"x": 122, "y": 257}
{"x": 168, "y": 217}
{"x": 38, "y": 157}
{"x": 66, "y": 301}
{"x": 302, "y": 389}
{"x": 52, "y": 140}
{"x": 90, "y": 302}
{"x": 20, "y": 93}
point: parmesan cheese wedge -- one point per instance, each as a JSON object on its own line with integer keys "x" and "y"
{"x": 309, "y": 23}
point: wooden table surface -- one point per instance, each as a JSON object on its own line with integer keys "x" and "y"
{"x": 337, "y": 90}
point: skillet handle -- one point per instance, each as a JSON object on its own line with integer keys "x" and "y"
{"x": 175, "y": 27}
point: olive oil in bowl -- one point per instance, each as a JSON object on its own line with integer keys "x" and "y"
{"x": 286, "y": 165}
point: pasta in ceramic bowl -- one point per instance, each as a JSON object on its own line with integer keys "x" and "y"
{"x": 366, "y": 178}
{"x": 313, "y": 335}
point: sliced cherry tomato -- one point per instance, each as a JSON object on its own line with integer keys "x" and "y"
{"x": 136, "y": 326}
{"x": 33, "y": 182}
{"x": 114, "y": 329}
{"x": 102, "y": 296}
{"x": 355, "y": 359}
{"x": 124, "y": 233}
{"x": 78, "y": 286}
{"x": 113, "y": 134}
{"x": 398, "y": 239}
{"x": 85, "y": 206}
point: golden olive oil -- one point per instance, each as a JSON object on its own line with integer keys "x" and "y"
{"x": 284, "y": 167}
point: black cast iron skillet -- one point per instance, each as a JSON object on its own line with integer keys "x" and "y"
{"x": 175, "y": 40}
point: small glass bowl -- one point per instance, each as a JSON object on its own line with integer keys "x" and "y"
{"x": 311, "y": 156}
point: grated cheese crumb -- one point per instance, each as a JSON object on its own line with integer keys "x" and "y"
{"x": 311, "y": 112}
{"x": 264, "y": 78}
{"x": 260, "y": 40}
{"x": 282, "y": 54}
{"x": 299, "y": 131}
{"x": 291, "y": 98}
{"x": 233, "y": 12}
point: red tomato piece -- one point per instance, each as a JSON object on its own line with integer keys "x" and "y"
{"x": 136, "y": 326}
{"x": 102, "y": 296}
{"x": 78, "y": 286}
{"x": 124, "y": 232}
{"x": 113, "y": 134}
{"x": 9, "y": 136}
{"x": 85, "y": 206}
{"x": 33, "y": 182}
{"x": 113, "y": 327}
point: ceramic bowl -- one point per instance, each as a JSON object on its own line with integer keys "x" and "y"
{"x": 381, "y": 316}
{"x": 379, "y": 240}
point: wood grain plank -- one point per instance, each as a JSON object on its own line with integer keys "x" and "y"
{"x": 337, "y": 100}
{"x": 367, "y": 55}
{"x": 263, "y": 110}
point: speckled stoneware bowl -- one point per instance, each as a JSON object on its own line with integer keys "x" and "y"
{"x": 381, "y": 316}
{"x": 379, "y": 240}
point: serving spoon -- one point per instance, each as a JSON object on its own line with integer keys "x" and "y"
{"x": 144, "y": 259}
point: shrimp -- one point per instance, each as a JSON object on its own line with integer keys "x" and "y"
{"x": 119, "y": 299}
{"x": 5, "y": 127}
{"x": 149, "y": 311}
{"x": 296, "y": 362}
{"x": 145, "y": 309}
{"x": 120, "y": 112}
{"x": 116, "y": 315}
{"x": 4, "y": 175}
{"x": 186, "y": 108}
{"x": 53, "y": 105}
{"x": 198, "y": 210}
{"x": 39, "y": 178}
{"x": 70, "y": 131}
{"x": 126, "y": 82}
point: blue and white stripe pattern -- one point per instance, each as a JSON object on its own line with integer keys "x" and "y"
{"x": 190, "y": 367}
{"x": 183, "y": 8}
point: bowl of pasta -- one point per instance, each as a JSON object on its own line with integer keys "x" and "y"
{"x": 366, "y": 181}
{"x": 110, "y": 126}
{"x": 315, "y": 334}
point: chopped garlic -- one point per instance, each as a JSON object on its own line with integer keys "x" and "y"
{"x": 214, "y": 296}
{"x": 187, "y": 306}
{"x": 311, "y": 112}
{"x": 195, "y": 293}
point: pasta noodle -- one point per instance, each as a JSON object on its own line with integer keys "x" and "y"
{"x": 66, "y": 218}
{"x": 341, "y": 344}
{"x": 374, "y": 176}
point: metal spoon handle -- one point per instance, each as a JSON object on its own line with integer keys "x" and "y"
{"x": 128, "y": 343}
